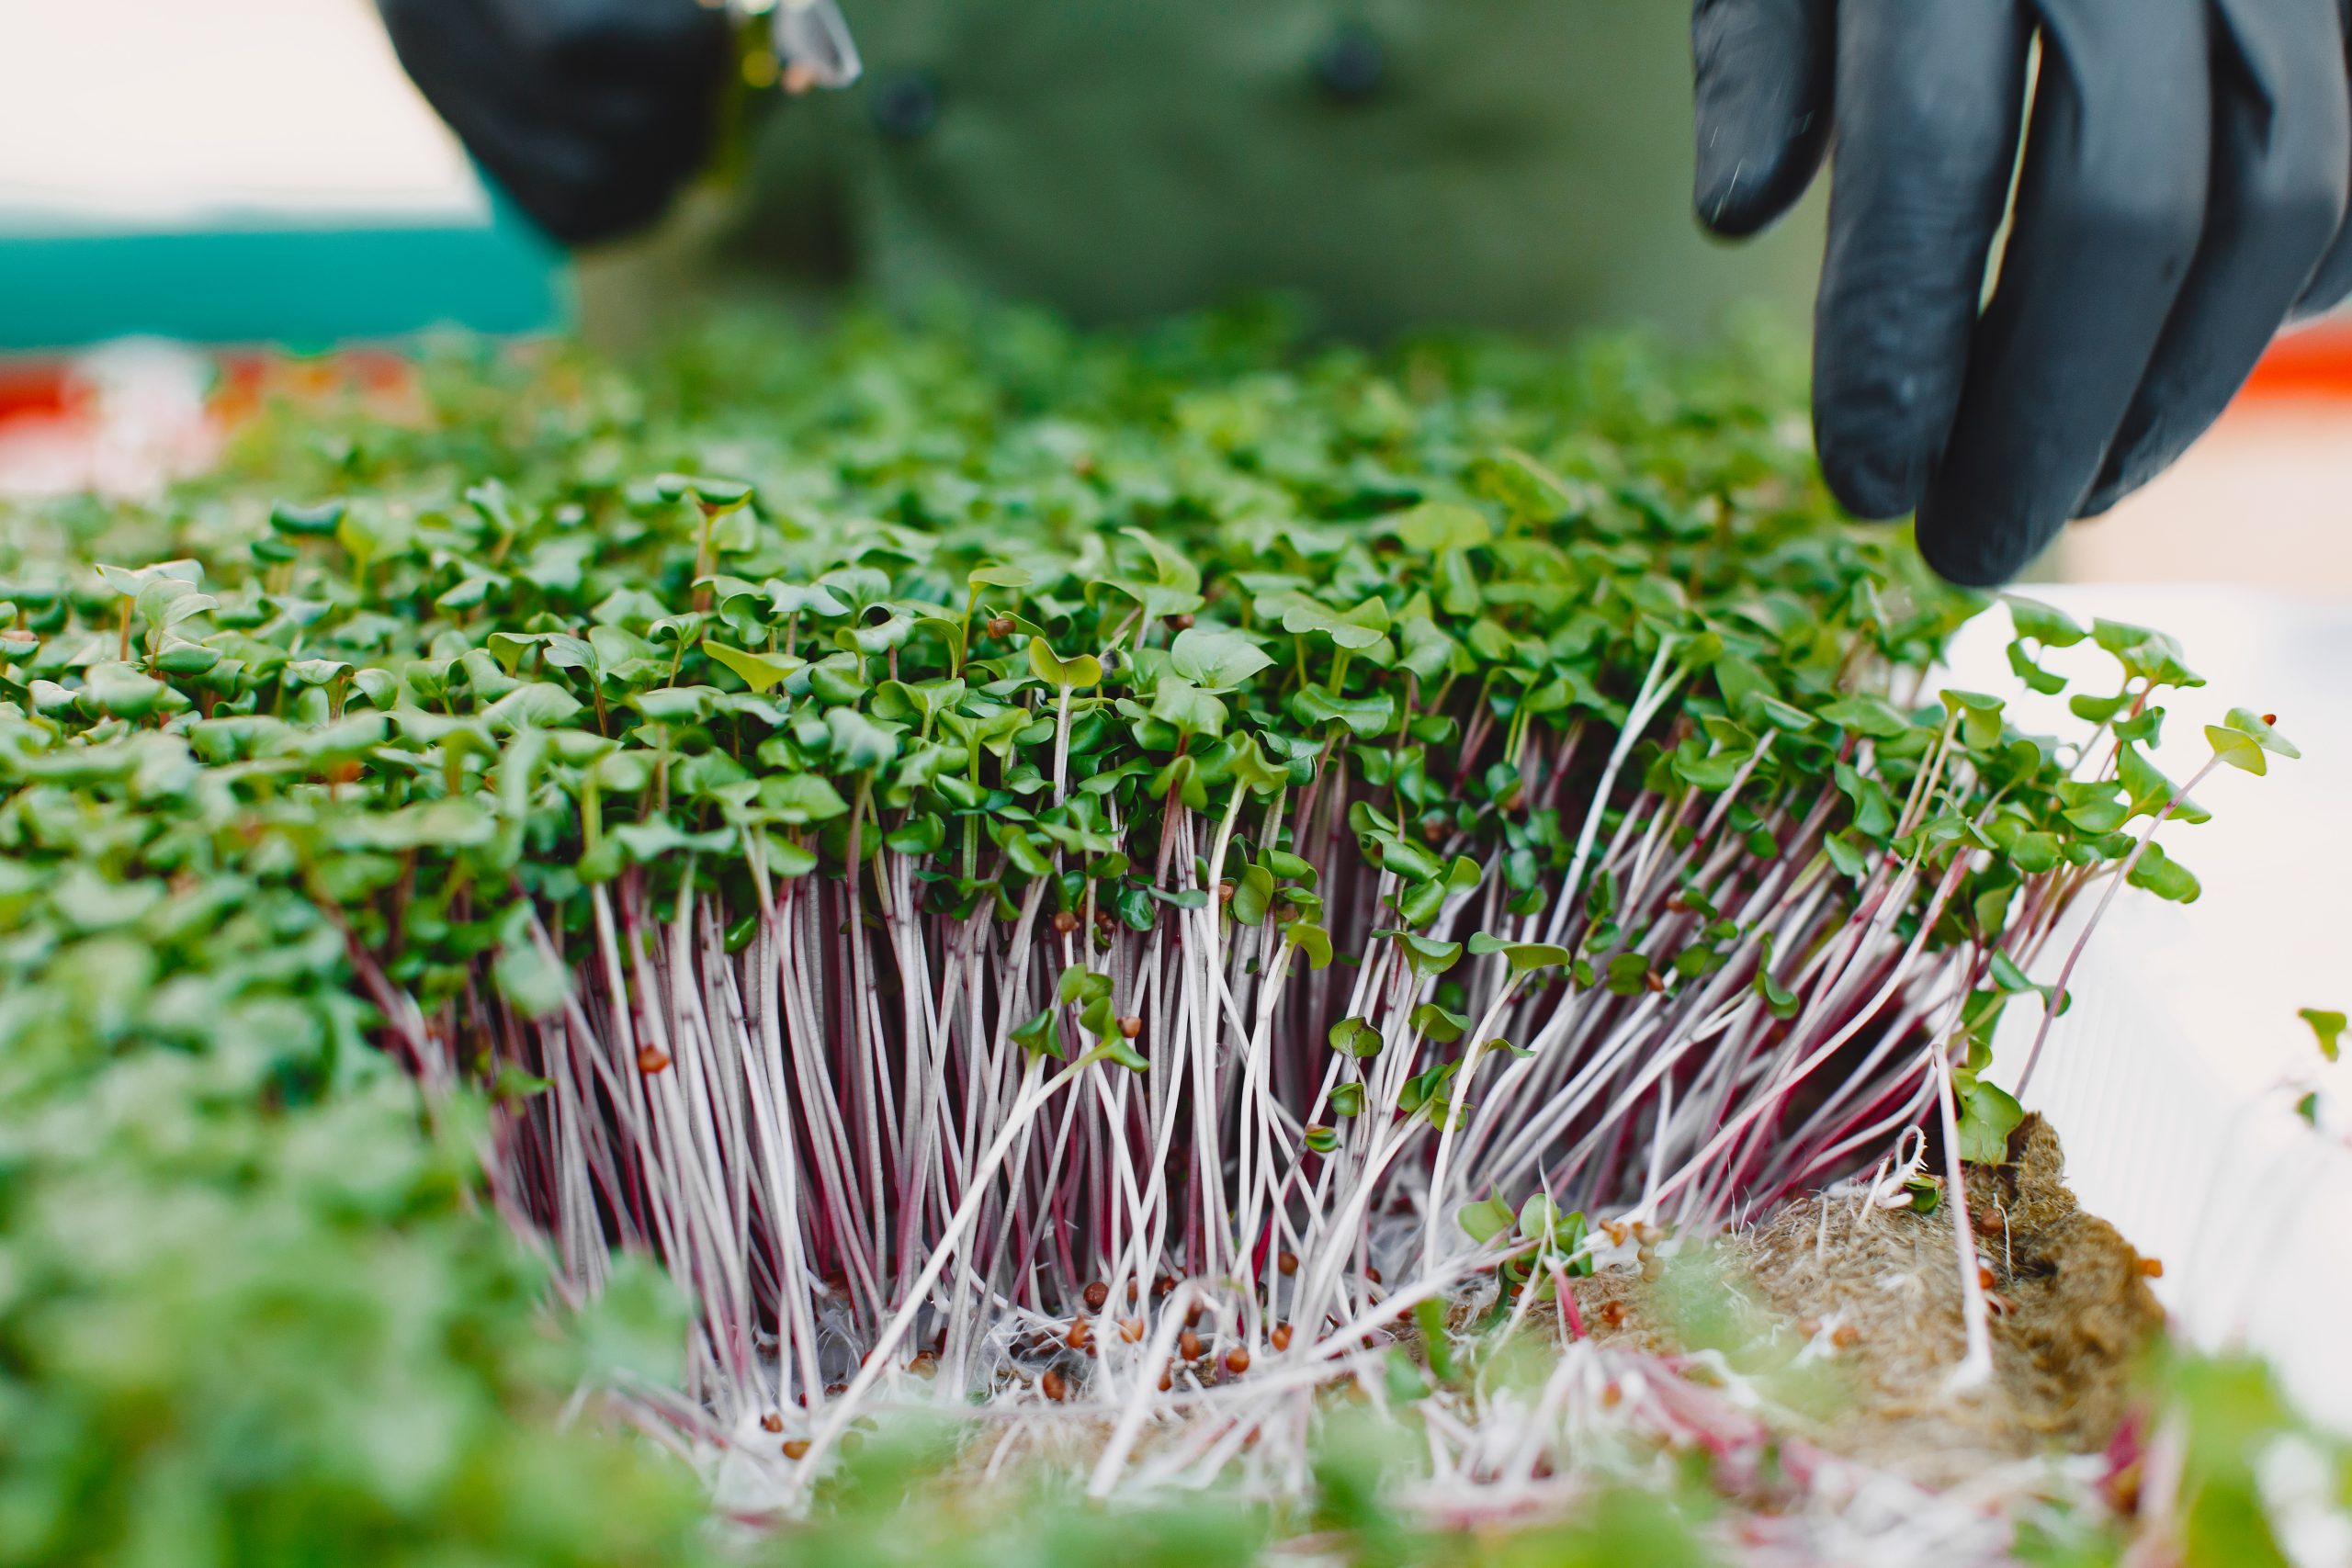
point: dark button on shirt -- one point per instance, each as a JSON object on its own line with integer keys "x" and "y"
{"x": 1351, "y": 64}
{"x": 906, "y": 104}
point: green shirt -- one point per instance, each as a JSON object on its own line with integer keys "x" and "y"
{"x": 1513, "y": 163}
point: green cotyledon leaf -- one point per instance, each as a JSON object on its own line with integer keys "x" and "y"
{"x": 760, "y": 672}
{"x": 2326, "y": 1027}
{"x": 1356, "y": 1037}
{"x": 1081, "y": 673}
{"x": 1217, "y": 657}
{"x": 1486, "y": 1219}
{"x": 1987, "y": 1116}
{"x": 1524, "y": 957}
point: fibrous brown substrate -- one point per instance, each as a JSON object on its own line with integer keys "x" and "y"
{"x": 1861, "y": 1308}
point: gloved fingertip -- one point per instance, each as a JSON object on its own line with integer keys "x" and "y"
{"x": 2129, "y": 463}
{"x": 1756, "y": 154}
{"x": 2120, "y": 475}
{"x": 1869, "y": 483}
{"x": 1877, "y": 455}
{"x": 1976, "y": 549}
{"x": 2103, "y": 498}
{"x": 1761, "y": 78}
{"x": 1738, "y": 200}
{"x": 2329, "y": 283}
{"x": 2151, "y": 440}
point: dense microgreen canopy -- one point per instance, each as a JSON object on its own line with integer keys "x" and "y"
{"x": 907, "y": 827}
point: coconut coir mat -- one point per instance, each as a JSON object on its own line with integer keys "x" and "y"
{"x": 1849, "y": 1317}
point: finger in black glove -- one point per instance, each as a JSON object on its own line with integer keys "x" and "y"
{"x": 590, "y": 113}
{"x": 2181, "y": 195}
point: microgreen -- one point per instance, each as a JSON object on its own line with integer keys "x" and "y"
{"x": 2327, "y": 1027}
{"x": 904, "y": 828}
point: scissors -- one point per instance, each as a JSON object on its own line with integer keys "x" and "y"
{"x": 810, "y": 40}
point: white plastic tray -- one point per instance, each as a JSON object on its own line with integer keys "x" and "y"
{"x": 2173, "y": 1078}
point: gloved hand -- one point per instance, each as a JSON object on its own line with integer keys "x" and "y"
{"x": 2182, "y": 194}
{"x": 590, "y": 113}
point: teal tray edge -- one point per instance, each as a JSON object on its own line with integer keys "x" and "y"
{"x": 301, "y": 288}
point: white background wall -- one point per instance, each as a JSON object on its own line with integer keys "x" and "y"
{"x": 143, "y": 114}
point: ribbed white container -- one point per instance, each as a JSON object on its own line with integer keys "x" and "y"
{"x": 2173, "y": 1078}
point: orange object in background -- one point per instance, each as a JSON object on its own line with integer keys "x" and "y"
{"x": 127, "y": 418}
{"x": 2262, "y": 499}
{"x": 2311, "y": 362}
{"x": 122, "y": 420}
{"x": 247, "y": 380}
{"x": 33, "y": 391}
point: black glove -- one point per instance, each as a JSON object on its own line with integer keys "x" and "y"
{"x": 590, "y": 113}
{"x": 2182, "y": 195}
